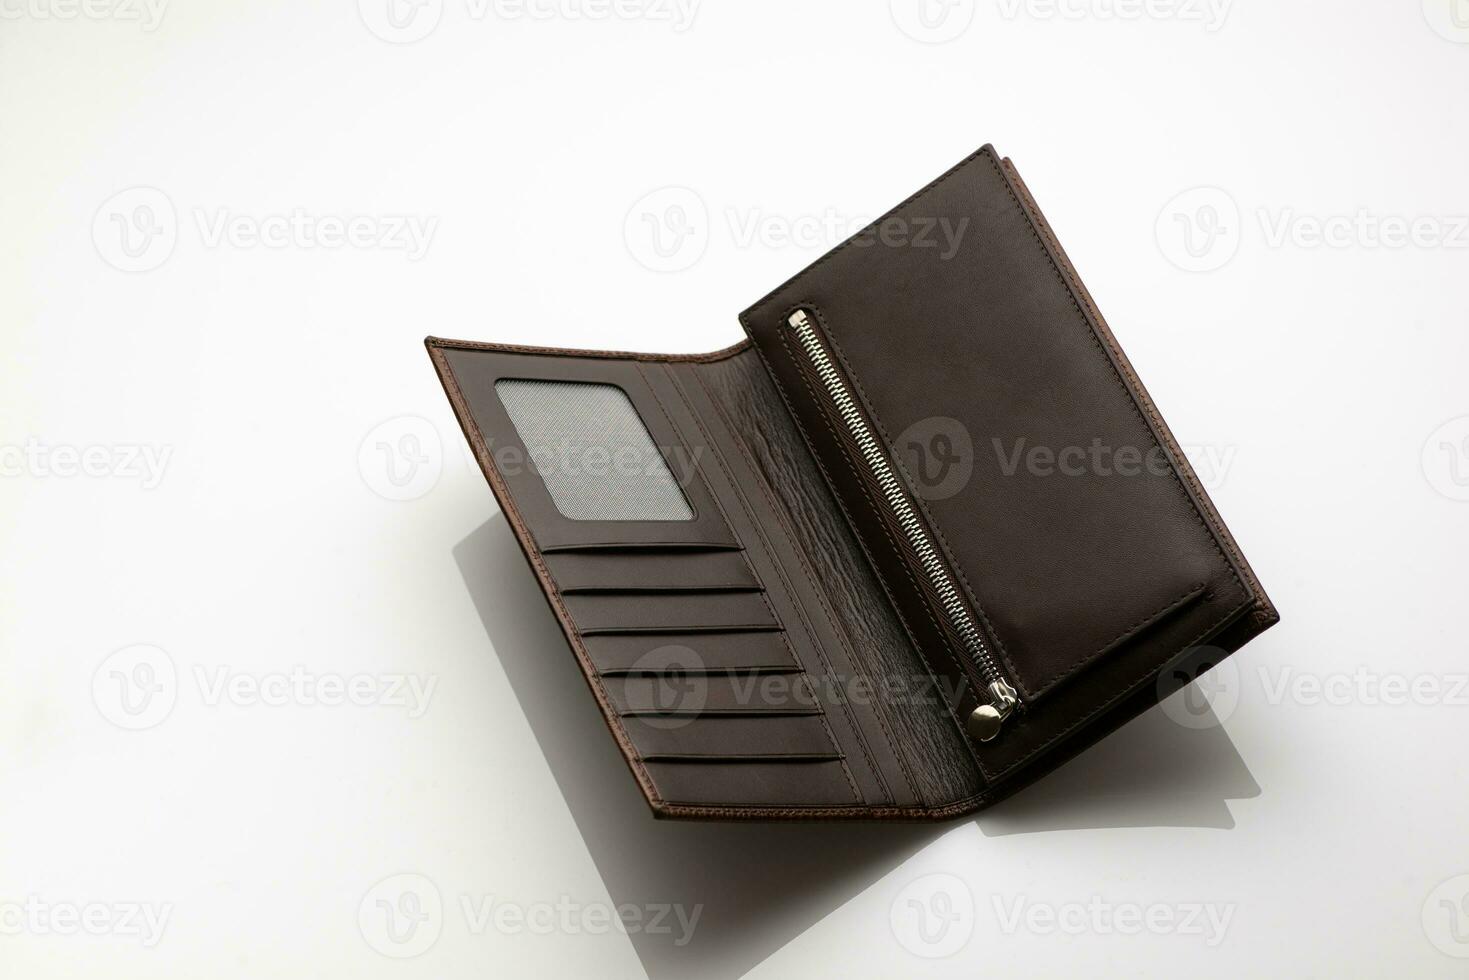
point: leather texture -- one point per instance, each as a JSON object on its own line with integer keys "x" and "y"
{"x": 780, "y": 655}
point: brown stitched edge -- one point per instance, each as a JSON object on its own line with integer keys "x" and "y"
{"x": 1141, "y": 624}
{"x": 548, "y": 588}
{"x": 1132, "y": 686}
{"x": 719, "y": 355}
{"x": 1265, "y": 614}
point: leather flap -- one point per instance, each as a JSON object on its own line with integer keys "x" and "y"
{"x": 961, "y": 335}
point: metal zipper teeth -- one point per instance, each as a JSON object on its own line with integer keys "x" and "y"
{"x": 894, "y": 492}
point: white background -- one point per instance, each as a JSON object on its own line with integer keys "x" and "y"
{"x": 285, "y": 400}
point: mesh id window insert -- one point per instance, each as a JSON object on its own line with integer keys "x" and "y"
{"x": 592, "y": 451}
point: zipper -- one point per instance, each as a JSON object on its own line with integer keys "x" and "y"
{"x": 984, "y": 721}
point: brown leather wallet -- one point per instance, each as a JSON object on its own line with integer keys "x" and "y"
{"x": 917, "y": 541}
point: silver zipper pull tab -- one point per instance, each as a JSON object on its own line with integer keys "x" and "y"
{"x": 985, "y": 721}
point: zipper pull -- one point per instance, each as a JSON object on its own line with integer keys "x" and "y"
{"x": 985, "y": 721}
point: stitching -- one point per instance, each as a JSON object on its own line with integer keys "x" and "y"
{"x": 533, "y": 555}
{"x": 968, "y": 804}
{"x": 1142, "y": 623}
{"x": 851, "y": 781}
{"x": 1138, "y": 390}
{"x": 1117, "y": 375}
{"x": 837, "y": 629}
{"x": 1126, "y": 690}
{"x": 440, "y": 343}
{"x": 987, "y": 152}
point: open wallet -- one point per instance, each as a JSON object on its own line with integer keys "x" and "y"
{"x": 917, "y": 540}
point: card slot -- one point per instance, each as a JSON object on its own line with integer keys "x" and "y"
{"x": 670, "y": 612}
{"x": 755, "y": 783}
{"x": 646, "y": 671}
{"x": 701, "y": 694}
{"x": 670, "y": 588}
{"x": 737, "y": 712}
{"x": 636, "y": 547}
{"x": 709, "y": 571}
{"x": 614, "y": 653}
{"x": 731, "y": 736}
{"x": 721, "y": 759}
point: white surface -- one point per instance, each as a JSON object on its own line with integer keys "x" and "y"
{"x": 1326, "y": 831}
